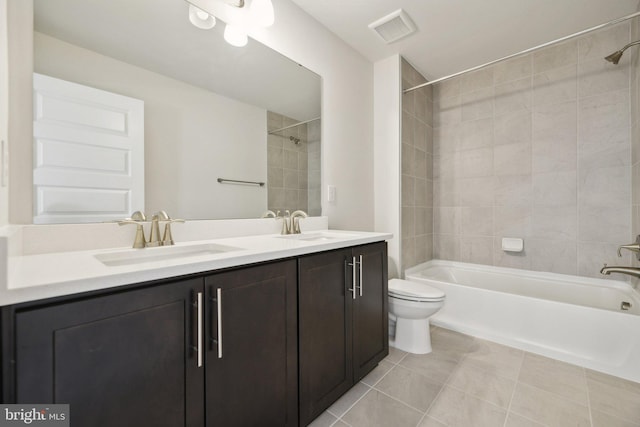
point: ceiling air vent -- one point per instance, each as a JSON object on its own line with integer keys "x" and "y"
{"x": 394, "y": 26}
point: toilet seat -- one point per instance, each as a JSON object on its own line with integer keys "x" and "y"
{"x": 412, "y": 291}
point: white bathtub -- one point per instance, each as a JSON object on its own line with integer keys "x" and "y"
{"x": 575, "y": 319}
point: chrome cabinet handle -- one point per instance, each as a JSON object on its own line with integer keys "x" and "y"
{"x": 361, "y": 283}
{"x": 219, "y": 314}
{"x": 197, "y": 308}
{"x": 353, "y": 282}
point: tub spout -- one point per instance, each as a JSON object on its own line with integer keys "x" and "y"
{"x": 631, "y": 271}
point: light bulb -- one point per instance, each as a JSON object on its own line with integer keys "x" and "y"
{"x": 262, "y": 12}
{"x": 235, "y": 35}
{"x": 202, "y": 14}
{"x": 200, "y": 18}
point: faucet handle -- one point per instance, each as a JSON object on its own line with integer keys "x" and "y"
{"x": 138, "y": 219}
{"x": 633, "y": 247}
{"x": 167, "y": 238}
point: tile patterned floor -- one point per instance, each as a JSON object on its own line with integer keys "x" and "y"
{"x": 467, "y": 382}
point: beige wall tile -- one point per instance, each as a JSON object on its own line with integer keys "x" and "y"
{"x": 512, "y": 159}
{"x": 603, "y": 42}
{"x": 477, "y": 105}
{"x": 476, "y": 250}
{"x": 513, "y": 96}
{"x": 556, "y": 56}
{"x": 597, "y": 76}
{"x": 555, "y": 86}
{"x": 476, "y": 134}
{"x": 553, "y": 255}
{"x": 513, "y": 69}
{"x": 512, "y": 128}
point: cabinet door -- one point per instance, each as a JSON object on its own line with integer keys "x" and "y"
{"x": 325, "y": 310}
{"x": 252, "y": 367}
{"x": 370, "y": 313}
{"x": 119, "y": 360}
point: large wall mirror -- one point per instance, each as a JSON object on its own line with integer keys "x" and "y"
{"x": 210, "y": 111}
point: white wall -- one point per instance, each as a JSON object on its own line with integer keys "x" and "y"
{"x": 387, "y": 89}
{"x": 192, "y": 136}
{"x": 4, "y": 106}
{"x": 347, "y": 109}
{"x": 19, "y": 129}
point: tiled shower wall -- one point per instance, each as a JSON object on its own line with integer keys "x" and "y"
{"x": 537, "y": 147}
{"x": 417, "y": 168}
{"x": 635, "y": 138}
{"x": 288, "y": 172}
{"x": 313, "y": 173}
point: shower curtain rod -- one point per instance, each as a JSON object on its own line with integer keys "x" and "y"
{"x": 579, "y": 33}
{"x": 293, "y": 125}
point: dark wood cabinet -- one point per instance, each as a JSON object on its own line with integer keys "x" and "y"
{"x": 219, "y": 350}
{"x": 270, "y": 344}
{"x": 343, "y": 322}
{"x": 118, "y": 360}
{"x": 252, "y": 362}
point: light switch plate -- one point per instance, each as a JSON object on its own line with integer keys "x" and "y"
{"x": 331, "y": 193}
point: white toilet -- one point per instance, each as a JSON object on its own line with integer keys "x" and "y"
{"x": 410, "y": 306}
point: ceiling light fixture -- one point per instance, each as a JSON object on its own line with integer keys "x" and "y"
{"x": 239, "y": 23}
{"x": 262, "y": 12}
{"x": 235, "y": 35}
{"x": 200, "y": 18}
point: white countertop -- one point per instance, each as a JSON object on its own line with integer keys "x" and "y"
{"x": 35, "y": 277}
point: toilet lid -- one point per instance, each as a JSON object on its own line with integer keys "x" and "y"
{"x": 406, "y": 289}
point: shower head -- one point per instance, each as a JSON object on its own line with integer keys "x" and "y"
{"x": 614, "y": 58}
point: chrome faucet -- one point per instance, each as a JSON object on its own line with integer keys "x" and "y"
{"x": 138, "y": 219}
{"x": 295, "y": 221}
{"x": 631, "y": 271}
{"x": 269, "y": 214}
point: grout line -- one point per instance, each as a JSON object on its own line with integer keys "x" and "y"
{"x": 354, "y": 403}
{"x": 515, "y": 387}
{"x": 586, "y": 382}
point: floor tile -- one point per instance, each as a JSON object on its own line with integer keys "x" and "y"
{"x": 342, "y": 405}
{"x": 496, "y": 358}
{"x": 485, "y": 385}
{"x": 445, "y": 339}
{"x": 377, "y": 373}
{"x": 430, "y": 422}
{"x": 613, "y": 381}
{"x": 514, "y": 420}
{"x": 620, "y": 402}
{"x": 548, "y": 408}
{"x": 324, "y": 420}
{"x": 600, "y": 419}
{"x": 457, "y": 409}
{"x": 379, "y": 410}
{"x": 340, "y": 423}
{"x": 437, "y": 365}
{"x": 555, "y": 376}
{"x": 409, "y": 387}
{"x": 395, "y": 355}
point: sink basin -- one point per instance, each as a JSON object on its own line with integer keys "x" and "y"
{"x": 319, "y": 236}
{"x": 162, "y": 253}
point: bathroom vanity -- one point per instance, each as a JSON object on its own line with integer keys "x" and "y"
{"x": 269, "y": 342}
